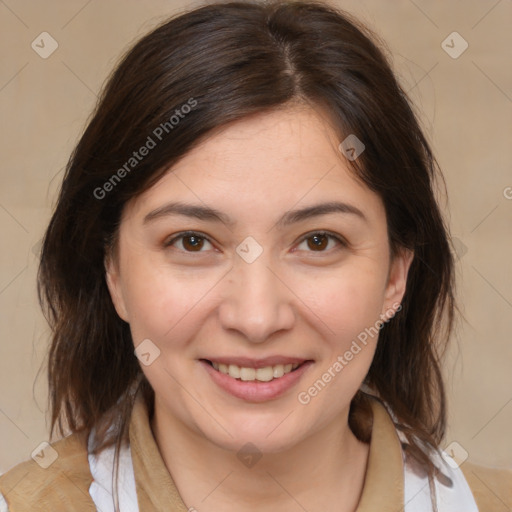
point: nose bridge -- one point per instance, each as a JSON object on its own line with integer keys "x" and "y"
{"x": 256, "y": 303}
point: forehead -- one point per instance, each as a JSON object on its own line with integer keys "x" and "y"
{"x": 262, "y": 144}
{"x": 263, "y": 163}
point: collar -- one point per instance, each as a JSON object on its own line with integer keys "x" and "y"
{"x": 155, "y": 487}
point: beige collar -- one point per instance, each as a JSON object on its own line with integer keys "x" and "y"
{"x": 383, "y": 487}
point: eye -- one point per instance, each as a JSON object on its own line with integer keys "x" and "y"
{"x": 319, "y": 241}
{"x": 190, "y": 241}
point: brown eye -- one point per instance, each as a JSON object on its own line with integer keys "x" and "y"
{"x": 193, "y": 243}
{"x": 190, "y": 242}
{"x": 318, "y": 242}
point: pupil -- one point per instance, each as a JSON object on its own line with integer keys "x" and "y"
{"x": 321, "y": 244}
{"x": 196, "y": 242}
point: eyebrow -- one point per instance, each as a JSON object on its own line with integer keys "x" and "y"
{"x": 206, "y": 213}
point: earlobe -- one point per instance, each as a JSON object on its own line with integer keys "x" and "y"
{"x": 397, "y": 279}
{"x": 114, "y": 287}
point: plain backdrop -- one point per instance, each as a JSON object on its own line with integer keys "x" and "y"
{"x": 464, "y": 100}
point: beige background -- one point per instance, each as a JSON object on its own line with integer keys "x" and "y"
{"x": 466, "y": 107}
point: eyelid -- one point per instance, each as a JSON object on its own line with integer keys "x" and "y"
{"x": 184, "y": 234}
{"x": 330, "y": 234}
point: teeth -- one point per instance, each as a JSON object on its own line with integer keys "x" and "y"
{"x": 278, "y": 371}
{"x": 234, "y": 371}
{"x": 265, "y": 374}
{"x": 247, "y": 373}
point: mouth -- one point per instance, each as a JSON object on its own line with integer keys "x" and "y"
{"x": 256, "y": 381}
{"x": 254, "y": 372}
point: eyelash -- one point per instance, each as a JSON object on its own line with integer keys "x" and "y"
{"x": 197, "y": 234}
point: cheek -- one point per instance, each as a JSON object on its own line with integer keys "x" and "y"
{"x": 349, "y": 301}
{"x": 347, "y": 311}
{"x": 162, "y": 303}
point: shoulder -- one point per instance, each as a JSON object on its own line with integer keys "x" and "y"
{"x": 57, "y": 478}
{"x": 491, "y": 487}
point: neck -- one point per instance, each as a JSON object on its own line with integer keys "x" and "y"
{"x": 323, "y": 472}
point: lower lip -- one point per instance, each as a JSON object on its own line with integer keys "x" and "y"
{"x": 256, "y": 391}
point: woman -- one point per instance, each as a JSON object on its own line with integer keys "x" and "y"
{"x": 249, "y": 283}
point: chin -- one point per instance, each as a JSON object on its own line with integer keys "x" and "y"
{"x": 268, "y": 433}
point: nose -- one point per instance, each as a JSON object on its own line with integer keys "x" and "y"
{"x": 256, "y": 302}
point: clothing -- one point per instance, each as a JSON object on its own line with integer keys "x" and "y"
{"x": 79, "y": 481}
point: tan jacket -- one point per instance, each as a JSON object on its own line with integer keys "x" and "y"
{"x": 64, "y": 485}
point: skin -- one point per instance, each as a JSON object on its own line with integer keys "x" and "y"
{"x": 295, "y": 300}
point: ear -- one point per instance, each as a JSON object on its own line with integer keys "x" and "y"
{"x": 114, "y": 286}
{"x": 397, "y": 279}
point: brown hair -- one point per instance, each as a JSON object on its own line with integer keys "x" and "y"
{"x": 227, "y": 61}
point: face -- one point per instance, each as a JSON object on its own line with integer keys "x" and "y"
{"x": 257, "y": 301}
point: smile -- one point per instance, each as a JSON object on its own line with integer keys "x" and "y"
{"x": 256, "y": 381}
{"x": 265, "y": 374}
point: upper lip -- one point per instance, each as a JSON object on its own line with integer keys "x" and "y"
{"x": 250, "y": 362}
